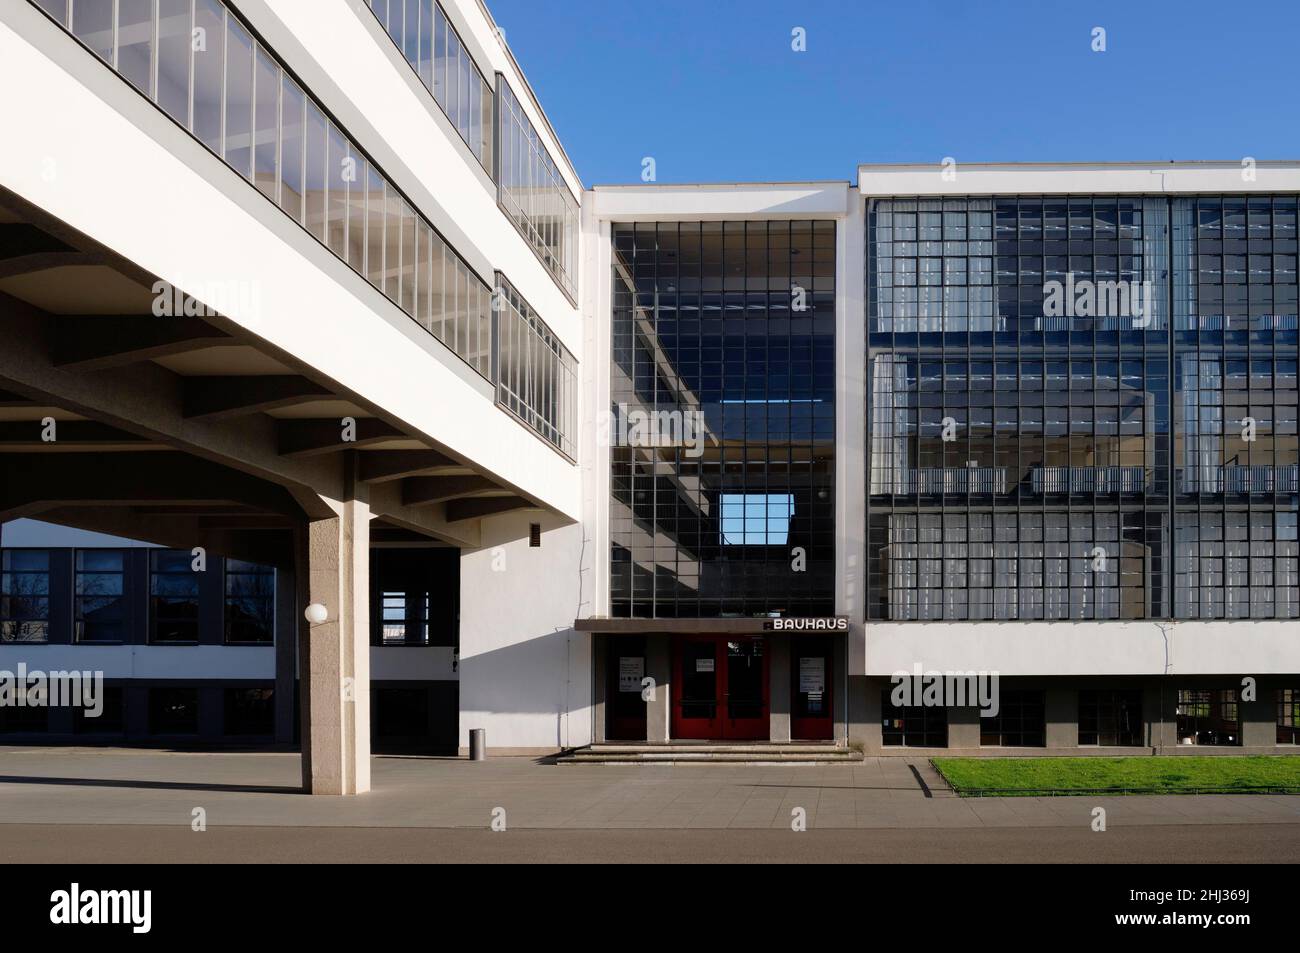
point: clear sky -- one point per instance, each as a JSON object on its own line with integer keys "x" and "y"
{"x": 713, "y": 91}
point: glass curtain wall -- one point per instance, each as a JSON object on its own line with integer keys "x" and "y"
{"x": 1041, "y": 442}
{"x": 1237, "y": 471}
{"x": 1019, "y": 431}
{"x": 722, "y": 421}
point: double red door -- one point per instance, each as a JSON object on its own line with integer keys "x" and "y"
{"x": 720, "y": 688}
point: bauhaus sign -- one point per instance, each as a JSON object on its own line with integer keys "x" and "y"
{"x": 809, "y": 624}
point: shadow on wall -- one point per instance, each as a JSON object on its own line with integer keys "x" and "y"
{"x": 525, "y": 695}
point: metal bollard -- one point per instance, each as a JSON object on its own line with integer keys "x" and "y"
{"x": 478, "y": 744}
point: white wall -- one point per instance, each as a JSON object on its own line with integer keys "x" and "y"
{"x": 1034, "y": 178}
{"x": 146, "y": 661}
{"x": 525, "y": 675}
{"x": 1245, "y": 646}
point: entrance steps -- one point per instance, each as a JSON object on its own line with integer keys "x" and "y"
{"x": 710, "y": 753}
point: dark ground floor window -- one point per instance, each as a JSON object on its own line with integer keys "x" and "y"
{"x": 1288, "y": 716}
{"x": 1021, "y": 722}
{"x": 16, "y": 720}
{"x": 174, "y": 711}
{"x": 1110, "y": 718}
{"x": 110, "y": 720}
{"x": 250, "y": 711}
{"x": 401, "y": 713}
{"x": 913, "y": 726}
{"x": 1208, "y": 717}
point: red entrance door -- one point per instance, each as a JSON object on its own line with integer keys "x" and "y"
{"x": 720, "y": 688}
{"x": 810, "y": 689}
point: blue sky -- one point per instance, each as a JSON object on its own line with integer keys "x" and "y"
{"x": 712, "y": 90}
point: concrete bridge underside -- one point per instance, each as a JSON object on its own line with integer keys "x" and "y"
{"x": 189, "y": 431}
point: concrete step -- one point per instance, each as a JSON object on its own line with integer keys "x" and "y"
{"x": 712, "y": 754}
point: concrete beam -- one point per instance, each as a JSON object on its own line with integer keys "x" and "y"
{"x": 178, "y": 532}
{"x": 44, "y": 261}
{"x": 422, "y": 491}
{"x": 44, "y": 480}
{"x": 222, "y": 398}
{"x": 379, "y": 466}
{"x": 305, "y": 438}
{"x": 458, "y": 510}
{"x": 94, "y": 342}
{"x": 29, "y": 435}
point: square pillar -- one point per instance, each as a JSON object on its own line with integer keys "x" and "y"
{"x": 1062, "y": 712}
{"x": 778, "y": 647}
{"x": 658, "y": 665}
{"x": 964, "y": 727}
{"x": 334, "y": 656}
{"x": 1259, "y": 717}
{"x": 599, "y": 679}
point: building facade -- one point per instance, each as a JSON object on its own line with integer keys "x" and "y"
{"x": 627, "y": 464}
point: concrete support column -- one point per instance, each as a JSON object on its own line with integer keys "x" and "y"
{"x": 778, "y": 667}
{"x": 1062, "y": 718}
{"x": 1159, "y": 700}
{"x": 964, "y": 727}
{"x": 658, "y": 665}
{"x": 1259, "y": 717}
{"x": 864, "y": 711}
{"x": 334, "y": 656}
{"x": 599, "y": 679}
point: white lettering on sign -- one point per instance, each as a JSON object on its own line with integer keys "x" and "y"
{"x": 812, "y": 675}
{"x": 631, "y": 669}
{"x": 831, "y": 624}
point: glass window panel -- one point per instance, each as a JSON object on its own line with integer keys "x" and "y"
{"x": 92, "y": 23}
{"x": 239, "y": 98}
{"x": 209, "y": 45}
{"x": 392, "y": 243}
{"x": 436, "y": 286}
{"x": 407, "y": 299}
{"x": 135, "y": 24}
{"x": 340, "y": 168}
{"x": 424, "y": 240}
{"x": 439, "y": 57}
{"x": 317, "y": 163}
{"x": 375, "y": 221}
{"x": 411, "y": 32}
{"x": 358, "y": 177}
{"x": 174, "y": 43}
{"x": 452, "y": 104}
{"x": 291, "y": 150}
{"x": 57, "y": 9}
{"x": 267, "y": 118}
{"x": 426, "y": 43}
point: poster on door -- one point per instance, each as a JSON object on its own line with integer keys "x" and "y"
{"x": 631, "y": 669}
{"x": 812, "y": 675}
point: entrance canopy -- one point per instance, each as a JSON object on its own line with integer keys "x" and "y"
{"x": 714, "y": 626}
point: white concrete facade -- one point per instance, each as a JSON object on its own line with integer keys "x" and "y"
{"x": 522, "y": 672}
